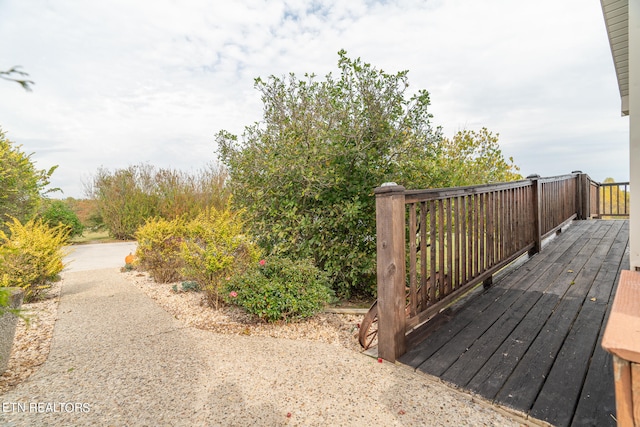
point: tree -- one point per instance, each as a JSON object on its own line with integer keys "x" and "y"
{"x": 614, "y": 199}
{"x": 22, "y": 185}
{"x": 306, "y": 172}
{"x": 126, "y": 198}
{"x": 14, "y": 74}
{"x": 57, "y": 213}
{"x": 469, "y": 158}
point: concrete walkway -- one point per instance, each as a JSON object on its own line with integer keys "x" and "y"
{"x": 117, "y": 359}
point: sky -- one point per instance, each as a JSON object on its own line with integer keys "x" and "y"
{"x": 124, "y": 82}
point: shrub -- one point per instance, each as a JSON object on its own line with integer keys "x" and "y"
{"x": 126, "y": 198}
{"x": 306, "y": 172}
{"x": 216, "y": 248}
{"x": 280, "y": 290}
{"x": 21, "y": 183}
{"x": 158, "y": 252}
{"x": 57, "y": 212}
{"x": 31, "y": 255}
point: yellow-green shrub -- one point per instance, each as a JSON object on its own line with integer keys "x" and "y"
{"x": 215, "y": 249}
{"x": 158, "y": 252}
{"x": 31, "y": 255}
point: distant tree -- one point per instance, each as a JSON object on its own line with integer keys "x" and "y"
{"x": 22, "y": 185}
{"x": 469, "y": 158}
{"x": 614, "y": 200}
{"x": 14, "y": 74}
{"x": 58, "y": 213}
{"x": 126, "y": 198}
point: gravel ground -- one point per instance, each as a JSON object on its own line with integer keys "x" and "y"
{"x": 190, "y": 308}
{"x": 117, "y": 358}
{"x": 32, "y": 340}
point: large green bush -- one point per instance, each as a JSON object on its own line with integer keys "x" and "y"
{"x": 306, "y": 172}
{"x": 21, "y": 183}
{"x": 57, "y": 212}
{"x": 279, "y": 289}
{"x": 158, "y": 251}
{"x": 31, "y": 255}
{"x": 216, "y": 248}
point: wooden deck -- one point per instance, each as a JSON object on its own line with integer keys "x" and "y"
{"x": 531, "y": 342}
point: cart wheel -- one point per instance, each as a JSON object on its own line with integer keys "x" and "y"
{"x": 368, "y": 335}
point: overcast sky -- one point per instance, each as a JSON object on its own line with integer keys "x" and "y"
{"x": 130, "y": 81}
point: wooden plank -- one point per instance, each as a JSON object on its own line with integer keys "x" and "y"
{"x": 454, "y": 347}
{"x": 433, "y": 252}
{"x": 624, "y": 398}
{"x": 449, "y": 272}
{"x": 455, "y": 280}
{"x": 445, "y": 356}
{"x": 635, "y": 392}
{"x": 567, "y": 245}
{"x": 597, "y": 404}
{"x": 413, "y": 286}
{"x": 476, "y": 236}
{"x": 491, "y": 258}
{"x": 443, "y": 193}
{"x": 441, "y": 252}
{"x": 526, "y": 380}
{"x": 536, "y": 207}
{"x": 494, "y": 373}
{"x": 503, "y": 240}
{"x": 423, "y": 255}
{"x": 560, "y": 393}
{"x": 467, "y": 365}
{"x": 491, "y": 377}
{"x": 482, "y": 232}
{"x": 391, "y": 274}
{"x": 622, "y": 335}
{"x": 529, "y": 376}
{"x": 464, "y": 241}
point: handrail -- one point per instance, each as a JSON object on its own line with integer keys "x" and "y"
{"x": 436, "y": 244}
{"x": 613, "y": 199}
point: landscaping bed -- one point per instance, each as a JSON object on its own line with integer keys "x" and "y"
{"x": 189, "y": 307}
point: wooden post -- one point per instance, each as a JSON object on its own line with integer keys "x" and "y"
{"x": 622, "y": 339}
{"x": 390, "y": 234}
{"x": 586, "y": 196}
{"x": 537, "y": 213}
{"x": 579, "y": 193}
{"x": 583, "y": 195}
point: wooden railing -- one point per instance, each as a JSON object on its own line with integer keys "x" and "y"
{"x": 612, "y": 199}
{"x": 434, "y": 245}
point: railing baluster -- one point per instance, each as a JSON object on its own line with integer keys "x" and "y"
{"x": 412, "y": 260}
{"x": 464, "y": 239}
{"x": 449, "y": 277}
{"x": 462, "y": 236}
{"x": 455, "y": 278}
{"x": 441, "y": 249}
{"x": 423, "y": 256}
{"x": 433, "y": 252}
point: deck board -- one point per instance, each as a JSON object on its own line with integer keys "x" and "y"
{"x": 532, "y": 341}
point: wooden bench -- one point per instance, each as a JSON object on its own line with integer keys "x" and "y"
{"x": 622, "y": 339}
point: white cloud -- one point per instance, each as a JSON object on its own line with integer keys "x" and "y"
{"x": 123, "y": 82}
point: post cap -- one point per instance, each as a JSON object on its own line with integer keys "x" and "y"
{"x": 389, "y": 188}
{"x": 533, "y": 175}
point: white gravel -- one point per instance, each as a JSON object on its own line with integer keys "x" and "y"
{"x": 117, "y": 358}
